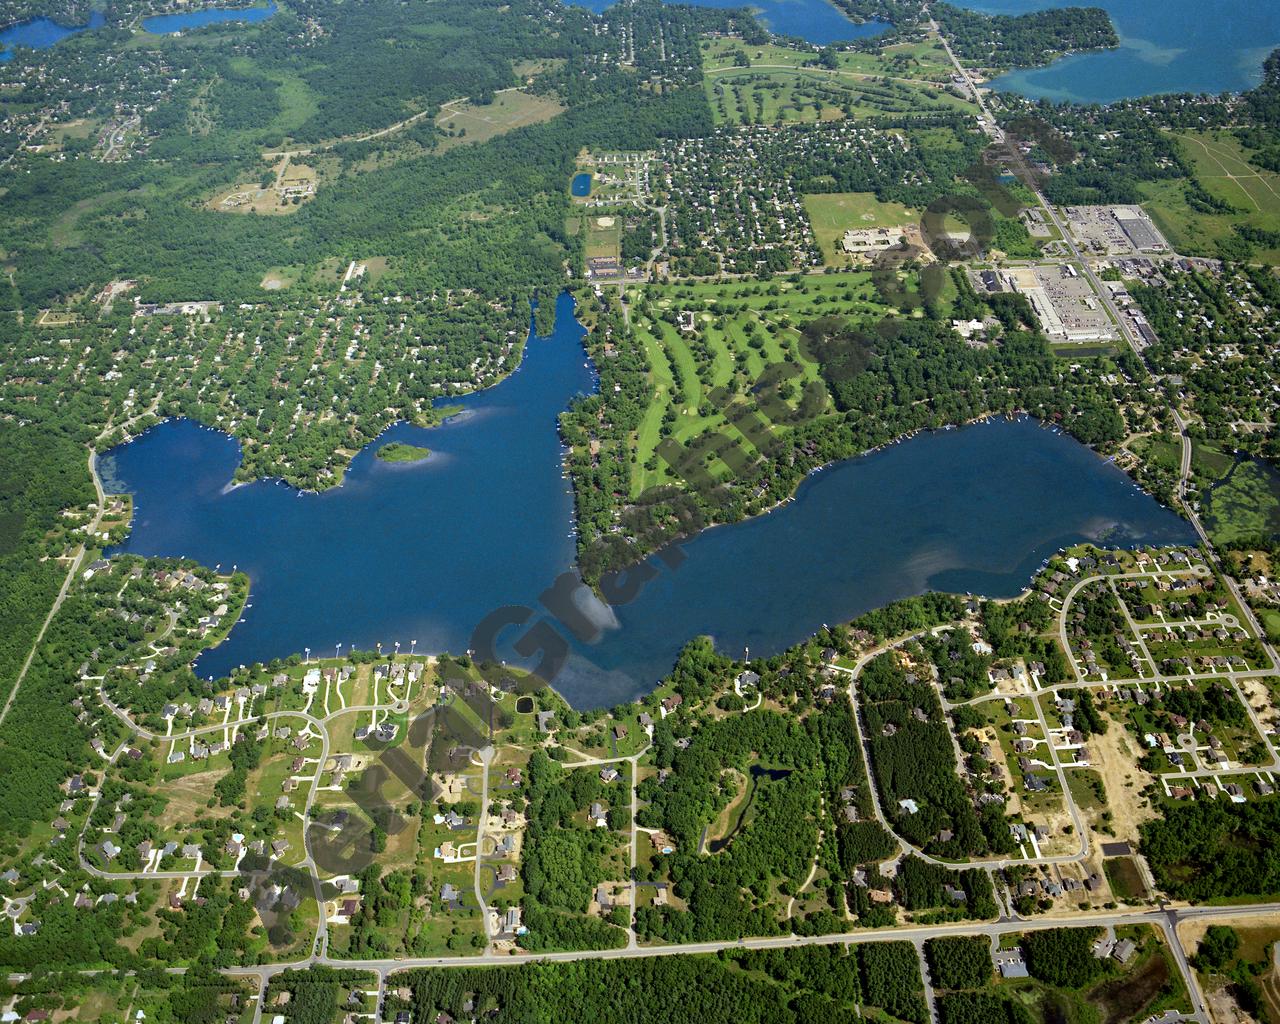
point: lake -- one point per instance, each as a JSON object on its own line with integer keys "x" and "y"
{"x": 1166, "y": 46}
{"x": 814, "y": 20}
{"x": 167, "y": 24}
{"x": 424, "y": 551}
{"x": 41, "y": 33}
{"x": 581, "y": 185}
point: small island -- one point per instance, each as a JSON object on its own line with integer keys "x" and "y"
{"x": 397, "y": 452}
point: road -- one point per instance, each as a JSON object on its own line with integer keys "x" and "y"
{"x": 1165, "y": 919}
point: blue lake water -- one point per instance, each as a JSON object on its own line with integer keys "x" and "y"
{"x": 581, "y": 185}
{"x": 1166, "y": 46}
{"x": 424, "y": 551}
{"x": 815, "y": 20}
{"x": 166, "y": 24}
{"x": 40, "y": 34}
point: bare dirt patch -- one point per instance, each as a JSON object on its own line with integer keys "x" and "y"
{"x": 188, "y": 796}
{"x": 1116, "y": 756}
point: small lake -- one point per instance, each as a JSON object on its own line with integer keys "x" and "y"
{"x": 817, "y": 21}
{"x": 41, "y": 33}
{"x": 424, "y": 551}
{"x": 167, "y": 24}
{"x": 581, "y": 185}
{"x": 1165, "y": 46}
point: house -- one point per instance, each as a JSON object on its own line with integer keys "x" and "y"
{"x": 661, "y": 843}
{"x": 910, "y": 806}
{"x": 545, "y": 719}
{"x": 602, "y": 896}
{"x": 511, "y": 922}
{"x": 1124, "y": 950}
{"x": 597, "y": 815}
{"x": 608, "y": 774}
{"x": 507, "y": 873}
{"x": 450, "y": 894}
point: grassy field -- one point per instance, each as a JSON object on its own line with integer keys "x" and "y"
{"x": 1125, "y": 878}
{"x": 508, "y": 111}
{"x": 738, "y": 331}
{"x": 782, "y": 95}
{"x": 1221, "y": 167}
{"x": 834, "y": 213}
{"x": 602, "y": 235}
{"x": 770, "y": 84}
{"x": 921, "y": 61}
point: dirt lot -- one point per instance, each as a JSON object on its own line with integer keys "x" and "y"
{"x": 1116, "y": 755}
{"x": 188, "y": 795}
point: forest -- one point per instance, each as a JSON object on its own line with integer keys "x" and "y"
{"x": 1214, "y": 851}
{"x": 30, "y": 503}
{"x": 803, "y": 985}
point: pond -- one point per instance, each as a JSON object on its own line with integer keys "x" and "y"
{"x": 1165, "y": 46}
{"x": 168, "y": 24}
{"x": 816, "y": 21}
{"x": 740, "y": 816}
{"x": 581, "y": 185}
{"x": 1244, "y": 502}
{"x": 41, "y": 33}
{"x": 426, "y": 551}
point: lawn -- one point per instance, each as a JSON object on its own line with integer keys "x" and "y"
{"x": 509, "y": 110}
{"x": 833, "y": 213}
